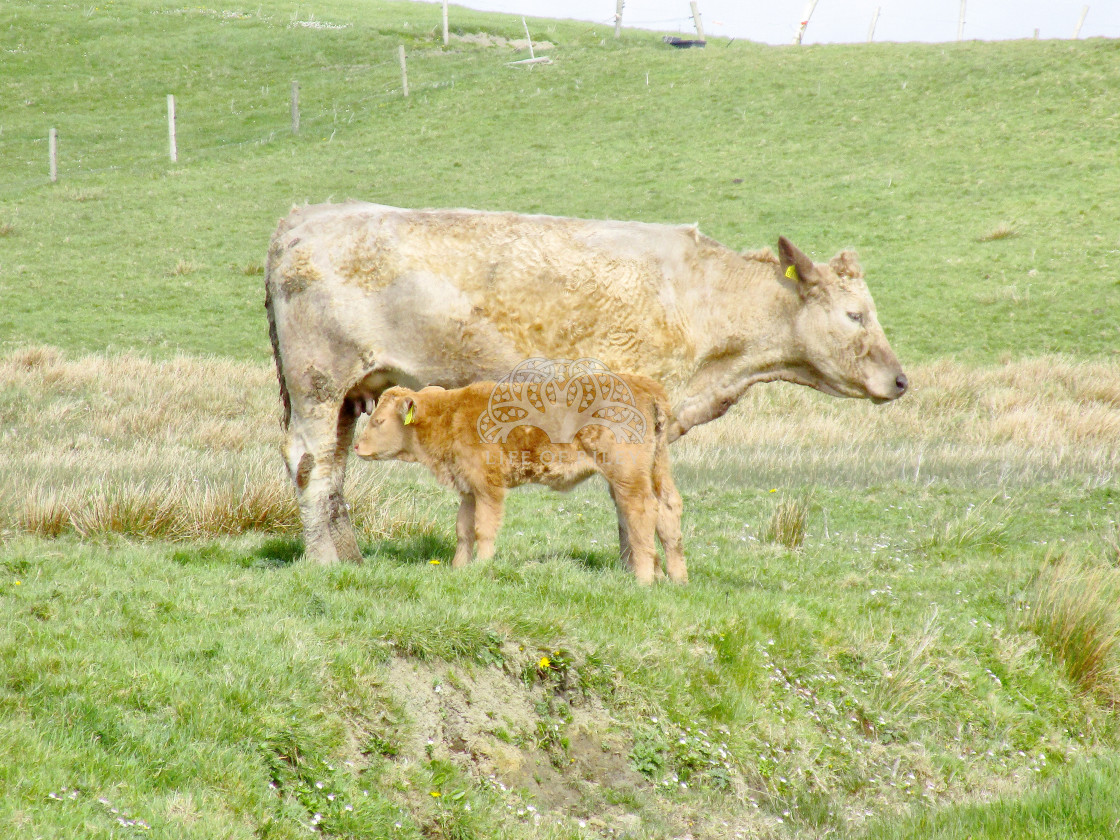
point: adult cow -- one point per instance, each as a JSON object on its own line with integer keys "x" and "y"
{"x": 361, "y": 297}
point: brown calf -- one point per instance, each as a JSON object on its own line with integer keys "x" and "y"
{"x": 442, "y": 430}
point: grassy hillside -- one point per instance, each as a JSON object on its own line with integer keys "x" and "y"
{"x": 902, "y": 622}
{"x": 886, "y": 614}
{"x": 978, "y": 181}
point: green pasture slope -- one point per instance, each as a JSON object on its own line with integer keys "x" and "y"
{"x": 911, "y": 154}
{"x": 888, "y": 678}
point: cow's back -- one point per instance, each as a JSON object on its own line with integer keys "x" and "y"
{"x": 425, "y": 283}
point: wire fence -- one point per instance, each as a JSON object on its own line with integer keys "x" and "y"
{"x": 134, "y": 140}
{"x": 131, "y": 137}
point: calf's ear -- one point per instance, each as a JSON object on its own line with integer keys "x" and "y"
{"x": 797, "y": 266}
{"x": 407, "y": 411}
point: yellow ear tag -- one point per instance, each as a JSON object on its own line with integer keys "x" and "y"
{"x": 408, "y": 417}
{"x": 791, "y": 272}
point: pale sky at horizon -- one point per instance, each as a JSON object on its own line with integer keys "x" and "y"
{"x": 838, "y": 21}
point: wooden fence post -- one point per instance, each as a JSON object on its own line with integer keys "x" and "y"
{"x": 52, "y": 150}
{"x": 960, "y": 23}
{"x": 618, "y": 18}
{"x": 295, "y": 107}
{"x": 697, "y": 21}
{"x": 805, "y": 21}
{"x": 171, "y": 127}
{"x": 874, "y": 20}
{"x": 445, "y": 37}
{"x": 404, "y": 70}
{"x": 1080, "y": 22}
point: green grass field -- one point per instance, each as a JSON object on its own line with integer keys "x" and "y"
{"x": 902, "y": 622}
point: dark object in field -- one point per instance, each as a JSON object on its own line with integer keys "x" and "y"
{"x": 683, "y": 43}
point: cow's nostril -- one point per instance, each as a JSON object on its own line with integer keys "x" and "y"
{"x": 901, "y": 383}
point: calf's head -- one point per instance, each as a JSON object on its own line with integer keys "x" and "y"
{"x": 389, "y": 434}
{"x": 843, "y": 350}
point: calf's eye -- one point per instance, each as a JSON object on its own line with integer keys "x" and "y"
{"x": 856, "y": 316}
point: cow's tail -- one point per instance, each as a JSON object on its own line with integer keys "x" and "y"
{"x": 271, "y": 268}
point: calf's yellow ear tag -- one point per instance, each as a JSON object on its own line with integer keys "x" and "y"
{"x": 791, "y": 272}
{"x": 408, "y": 416}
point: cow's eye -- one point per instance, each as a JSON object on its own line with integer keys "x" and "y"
{"x": 856, "y": 316}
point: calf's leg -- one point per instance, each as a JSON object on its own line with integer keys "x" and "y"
{"x": 637, "y": 505}
{"x": 624, "y": 552}
{"x": 464, "y": 531}
{"x": 487, "y": 520}
{"x": 669, "y": 507}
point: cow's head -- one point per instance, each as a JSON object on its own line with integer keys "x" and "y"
{"x": 389, "y": 434}
{"x": 843, "y": 350}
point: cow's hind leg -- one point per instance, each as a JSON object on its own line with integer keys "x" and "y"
{"x": 312, "y": 452}
{"x": 338, "y": 511}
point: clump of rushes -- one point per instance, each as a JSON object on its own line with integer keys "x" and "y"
{"x": 1075, "y": 610}
{"x": 787, "y": 524}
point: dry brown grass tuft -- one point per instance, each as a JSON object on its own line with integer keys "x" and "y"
{"x": 43, "y": 513}
{"x": 787, "y": 523}
{"x": 184, "y": 267}
{"x": 34, "y": 357}
{"x": 7, "y": 229}
{"x": 1075, "y": 610}
{"x": 252, "y": 269}
{"x": 1001, "y": 231}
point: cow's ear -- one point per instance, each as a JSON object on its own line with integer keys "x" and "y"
{"x": 796, "y": 266}
{"x": 407, "y": 410}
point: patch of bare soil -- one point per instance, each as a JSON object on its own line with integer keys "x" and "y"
{"x": 559, "y": 751}
{"x": 553, "y": 755}
{"x": 485, "y": 39}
